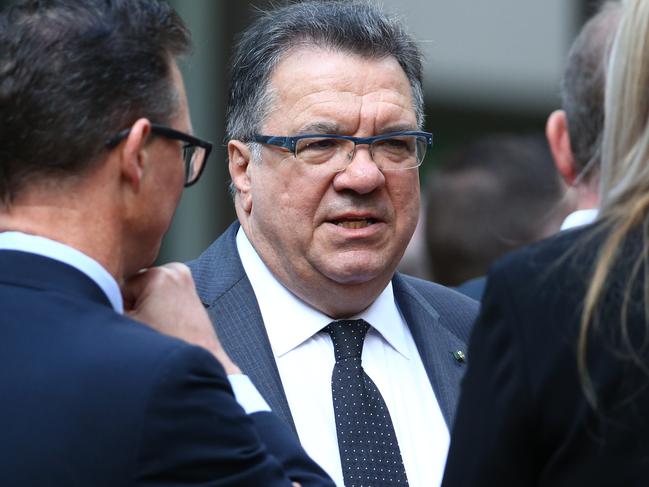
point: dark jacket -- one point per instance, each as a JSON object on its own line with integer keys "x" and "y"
{"x": 523, "y": 417}
{"x": 89, "y": 397}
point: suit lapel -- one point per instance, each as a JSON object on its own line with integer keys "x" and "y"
{"x": 435, "y": 344}
{"x": 241, "y": 329}
{"x": 230, "y": 300}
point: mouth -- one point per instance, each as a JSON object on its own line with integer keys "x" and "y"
{"x": 355, "y": 224}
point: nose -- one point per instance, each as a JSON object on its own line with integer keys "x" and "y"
{"x": 361, "y": 175}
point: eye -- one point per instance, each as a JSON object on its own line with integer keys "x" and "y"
{"x": 318, "y": 144}
{"x": 319, "y": 150}
{"x": 395, "y": 144}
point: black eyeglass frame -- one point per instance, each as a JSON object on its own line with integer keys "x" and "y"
{"x": 169, "y": 133}
{"x": 290, "y": 142}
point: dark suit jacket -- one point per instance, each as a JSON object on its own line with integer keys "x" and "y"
{"x": 523, "y": 418}
{"x": 89, "y": 397}
{"x": 439, "y": 320}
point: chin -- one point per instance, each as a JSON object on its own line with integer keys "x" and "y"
{"x": 151, "y": 257}
{"x": 356, "y": 273}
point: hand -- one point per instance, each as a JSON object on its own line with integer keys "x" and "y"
{"x": 165, "y": 299}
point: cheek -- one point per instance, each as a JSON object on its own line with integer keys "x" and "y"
{"x": 299, "y": 206}
{"x": 174, "y": 186}
{"x": 404, "y": 193}
{"x": 290, "y": 193}
{"x": 171, "y": 182}
{"x": 176, "y": 200}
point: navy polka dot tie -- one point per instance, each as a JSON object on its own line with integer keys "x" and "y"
{"x": 368, "y": 446}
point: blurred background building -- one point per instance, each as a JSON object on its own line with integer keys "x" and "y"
{"x": 490, "y": 66}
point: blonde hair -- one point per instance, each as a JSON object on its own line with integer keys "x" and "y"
{"x": 624, "y": 177}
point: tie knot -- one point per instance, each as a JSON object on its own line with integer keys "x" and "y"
{"x": 347, "y": 337}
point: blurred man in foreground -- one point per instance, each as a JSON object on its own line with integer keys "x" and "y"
{"x": 95, "y": 149}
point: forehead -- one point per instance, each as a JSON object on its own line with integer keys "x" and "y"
{"x": 318, "y": 87}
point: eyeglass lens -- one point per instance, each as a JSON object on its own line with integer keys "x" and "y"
{"x": 194, "y": 159}
{"x": 399, "y": 152}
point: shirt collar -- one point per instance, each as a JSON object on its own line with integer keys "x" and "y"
{"x": 579, "y": 218}
{"x": 287, "y": 330}
{"x": 68, "y": 255}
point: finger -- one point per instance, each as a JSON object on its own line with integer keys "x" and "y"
{"x": 133, "y": 286}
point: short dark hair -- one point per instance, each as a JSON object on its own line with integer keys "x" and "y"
{"x": 75, "y": 72}
{"x": 582, "y": 86}
{"x": 357, "y": 27}
{"x": 497, "y": 193}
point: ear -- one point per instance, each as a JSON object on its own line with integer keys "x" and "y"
{"x": 134, "y": 155}
{"x": 556, "y": 131}
{"x": 239, "y": 165}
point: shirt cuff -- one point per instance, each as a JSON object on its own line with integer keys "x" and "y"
{"x": 247, "y": 395}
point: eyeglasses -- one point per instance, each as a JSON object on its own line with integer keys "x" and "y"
{"x": 195, "y": 151}
{"x": 390, "y": 152}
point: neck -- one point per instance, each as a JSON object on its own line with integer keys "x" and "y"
{"x": 72, "y": 222}
{"x": 587, "y": 193}
{"x": 343, "y": 301}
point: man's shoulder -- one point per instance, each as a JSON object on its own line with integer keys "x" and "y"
{"x": 99, "y": 345}
{"x": 473, "y": 288}
{"x": 223, "y": 247}
{"x": 95, "y": 337}
{"x": 117, "y": 341}
{"x": 219, "y": 267}
{"x": 555, "y": 258}
{"x": 435, "y": 293}
{"x": 456, "y": 311}
{"x": 540, "y": 259}
{"x": 545, "y": 282}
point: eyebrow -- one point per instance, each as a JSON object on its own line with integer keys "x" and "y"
{"x": 398, "y": 128}
{"x": 320, "y": 128}
{"x": 334, "y": 129}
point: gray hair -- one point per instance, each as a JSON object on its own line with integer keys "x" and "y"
{"x": 357, "y": 27}
{"x": 582, "y": 86}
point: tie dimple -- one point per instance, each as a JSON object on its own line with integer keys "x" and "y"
{"x": 348, "y": 337}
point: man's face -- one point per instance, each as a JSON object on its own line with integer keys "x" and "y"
{"x": 314, "y": 227}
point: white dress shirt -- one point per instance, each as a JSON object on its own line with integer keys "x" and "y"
{"x": 245, "y": 393}
{"x": 305, "y": 359}
{"x": 579, "y": 218}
